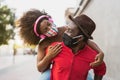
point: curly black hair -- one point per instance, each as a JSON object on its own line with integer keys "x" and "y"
{"x": 26, "y": 25}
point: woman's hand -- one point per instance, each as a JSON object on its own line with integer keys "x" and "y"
{"x": 54, "y": 50}
{"x": 98, "y": 59}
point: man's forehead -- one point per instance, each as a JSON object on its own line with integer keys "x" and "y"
{"x": 71, "y": 24}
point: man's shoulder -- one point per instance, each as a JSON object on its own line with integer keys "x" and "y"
{"x": 88, "y": 53}
{"x": 89, "y": 49}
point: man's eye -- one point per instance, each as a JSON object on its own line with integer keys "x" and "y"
{"x": 69, "y": 30}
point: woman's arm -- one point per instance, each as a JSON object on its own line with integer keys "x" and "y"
{"x": 43, "y": 62}
{"x": 99, "y": 57}
{"x": 44, "y": 59}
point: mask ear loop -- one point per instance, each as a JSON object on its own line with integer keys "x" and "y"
{"x": 78, "y": 37}
{"x": 40, "y": 41}
{"x": 42, "y": 38}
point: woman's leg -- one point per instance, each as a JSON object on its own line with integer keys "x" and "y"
{"x": 45, "y": 75}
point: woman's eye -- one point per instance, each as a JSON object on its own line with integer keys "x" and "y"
{"x": 48, "y": 24}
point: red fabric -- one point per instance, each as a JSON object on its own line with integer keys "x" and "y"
{"x": 69, "y": 66}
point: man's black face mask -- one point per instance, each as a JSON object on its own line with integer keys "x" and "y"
{"x": 70, "y": 41}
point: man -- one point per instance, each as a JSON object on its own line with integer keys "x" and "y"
{"x": 73, "y": 62}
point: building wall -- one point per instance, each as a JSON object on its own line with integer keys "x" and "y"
{"x": 106, "y": 14}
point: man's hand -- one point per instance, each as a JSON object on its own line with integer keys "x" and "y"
{"x": 98, "y": 60}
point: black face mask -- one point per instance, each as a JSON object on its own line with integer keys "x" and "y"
{"x": 70, "y": 41}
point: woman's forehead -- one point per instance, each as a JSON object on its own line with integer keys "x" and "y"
{"x": 44, "y": 21}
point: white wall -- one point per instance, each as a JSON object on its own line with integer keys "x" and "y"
{"x": 106, "y": 14}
